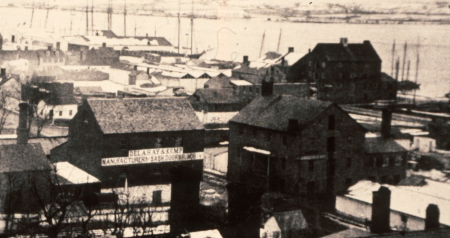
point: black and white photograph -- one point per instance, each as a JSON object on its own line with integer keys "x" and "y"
{"x": 224, "y": 118}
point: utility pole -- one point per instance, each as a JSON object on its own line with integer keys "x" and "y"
{"x": 87, "y": 17}
{"x": 125, "y": 18}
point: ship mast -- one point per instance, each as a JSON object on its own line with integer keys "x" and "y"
{"x": 279, "y": 40}
{"x": 179, "y": 25}
{"x": 393, "y": 59}
{"x": 404, "y": 59}
{"x": 417, "y": 72}
{"x": 125, "y": 18}
{"x": 92, "y": 17}
{"x": 192, "y": 28}
{"x": 87, "y": 17}
{"x": 46, "y": 17}
{"x": 32, "y": 14}
{"x": 262, "y": 43}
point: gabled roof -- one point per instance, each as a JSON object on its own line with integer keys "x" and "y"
{"x": 69, "y": 100}
{"x": 131, "y": 115}
{"x": 382, "y": 145}
{"x": 105, "y": 52}
{"x": 20, "y": 158}
{"x": 353, "y": 52}
{"x": 217, "y": 96}
{"x": 273, "y": 112}
{"x": 43, "y": 53}
{"x": 219, "y": 82}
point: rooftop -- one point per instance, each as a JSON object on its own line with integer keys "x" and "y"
{"x": 70, "y": 174}
{"x": 20, "y": 158}
{"x": 382, "y": 145}
{"x": 217, "y": 96}
{"x": 353, "y": 52}
{"x": 273, "y": 112}
{"x": 47, "y": 143}
{"x": 131, "y": 115}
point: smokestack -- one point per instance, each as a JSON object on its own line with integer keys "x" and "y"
{"x": 344, "y": 42}
{"x": 103, "y": 44}
{"x": 22, "y": 132}
{"x": 290, "y": 49}
{"x": 3, "y": 72}
{"x": 13, "y": 38}
{"x": 432, "y": 217}
{"x": 386, "y": 119}
{"x": 244, "y": 210}
{"x": 293, "y": 125}
{"x": 381, "y": 210}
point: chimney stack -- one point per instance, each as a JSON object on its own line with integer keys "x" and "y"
{"x": 135, "y": 67}
{"x": 381, "y": 210}
{"x": 13, "y": 38}
{"x": 49, "y": 47}
{"x": 26, "y": 48}
{"x": 290, "y": 49}
{"x": 344, "y": 42}
{"x": 432, "y": 217}
{"x": 22, "y": 131}
{"x": 58, "y": 45}
{"x": 267, "y": 87}
{"x": 309, "y": 50}
{"x": 386, "y": 119}
{"x": 293, "y": 125}
{"x": 103, "y": 44}
{"x": 146, "y": 35}
{"x": 148, "y": 70}
{"x": 366, "y": 42}
{"x": 1, "y": 42}
{"x": 3, "y": 72}
{"x": 245, "y": 60}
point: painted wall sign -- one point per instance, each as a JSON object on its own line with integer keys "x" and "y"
{"x": 310, "y": 157}
{"x": 156, "y": 151}
{"x": 151, "y": 159}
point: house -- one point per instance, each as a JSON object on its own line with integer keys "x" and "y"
{"x": 294, "y": 145}
{"x": 255, "y": 71}
{"x": 386, "y": 161}
{"x": 221, "y": 81}
{"x": 60, "y": 105}
{"x": 126, "y": 75}
{"x": 344, "y": 73}
{"x": 49, "y": 60}
{"x": 216, "y": 100}
{"x": 110, "y": 139}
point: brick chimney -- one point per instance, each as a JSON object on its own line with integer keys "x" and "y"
{"x": 1, "y": 42}
{"x": 103, "y": 44}
{"x": 290, "y": 49}
{"x": 366, "y": 42}
{"x": 135, "y": 67}
{"x": 13, "y": 38}
{"x": 49, "y": 47}
{"x": 3, "y": 73}
{"x": 245, "y": 60}
{"x": 381, "y": 210}
{"x": 22, "y": 131}
{"x": 344, "y": 42}
{"x": 58, "y": 45}
{"x": 432, "y": 217}
{"x": 386, "y": 120}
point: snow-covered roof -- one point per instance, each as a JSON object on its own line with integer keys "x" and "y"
{"x": 241, "y": 83}
{"x": 73, "y": 174}
{"x": 255, "y": 150}
{"x": 206, "y": 234}
{"x": 418, "y": 197}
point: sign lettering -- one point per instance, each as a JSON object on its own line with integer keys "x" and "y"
{"x": 151, "y": 159}
{"x": 156, "y": 151}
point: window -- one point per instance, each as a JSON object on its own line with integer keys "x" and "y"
{"x": 254, "y": 133}
{"x": 60, "y": 113}
{"x": 178, "y": 141}
{"x": 311, "y": 165}
{"x": 323, "y": 64}
{"x": 124, "y": 144}
{"x": 331, "y": 124}
{"x": 385, "y": 162}
{"x": 352, "y": 75}
{"x": 309, "y": 73}
{"x": 349, "y": 162}
{"x": 310, "y": 63}
{"x": 398, "y": 160}
{"x": 340, "y": 65}
{"x": 391, "y": 161}
{"x": 331, "y": 145}
{"x": 156, "y": 199}
{"x": 70, "y": 112}
{"x": 284, "y": 140}
{"x": 349, "y": 139}
{"x": 352, "y": 87}
{"x": 268, "y": 136}
{"x": 240, "y": 130}
{"x": 323, "y": 75}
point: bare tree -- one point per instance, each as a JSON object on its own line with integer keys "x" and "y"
{"x": 5, "y": 112}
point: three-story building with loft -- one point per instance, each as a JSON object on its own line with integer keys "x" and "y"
{"x": 295, "y": 145}
{"x": 344, "y": 73}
